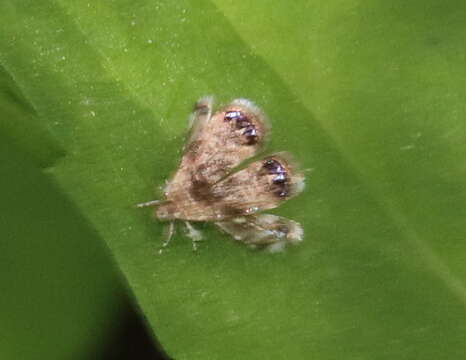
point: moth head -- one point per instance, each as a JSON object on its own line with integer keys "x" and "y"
{"x": 167, "y": 211}
{"x": 246, "y": 121}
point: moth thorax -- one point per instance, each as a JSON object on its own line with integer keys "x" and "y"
{"x": 166, "y": 211}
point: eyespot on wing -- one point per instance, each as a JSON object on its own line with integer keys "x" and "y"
{"x": 284, "y": 177}
{"x": 222, "y": 140}
{"x": 263, "y": 184}
{"x": 246, "y": 121}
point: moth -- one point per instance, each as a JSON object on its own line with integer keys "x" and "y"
{"x": 219, "y": 180}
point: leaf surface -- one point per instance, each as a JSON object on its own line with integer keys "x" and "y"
{"x": 369, "y": 97}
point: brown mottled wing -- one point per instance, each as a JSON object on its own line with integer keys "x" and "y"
{"x": 263, "y": 184}
{"x": 264, "y": 231}
{"x": 219, "y": 142}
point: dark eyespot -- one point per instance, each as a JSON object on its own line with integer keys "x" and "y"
{"x": 274, "y": 167}
{"x": 232, "y": 115}
{"x": 250, "y": 131}
{"x": 251, "y": 135}
{"x": 241, "y": 121}
{"x": 280, "y": 180}
{"x": 270, "y": 164}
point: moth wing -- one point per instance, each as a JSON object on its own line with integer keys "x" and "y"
{"x": 219, "y": 142}
{"x": 263, "y": 231}
{"x": 263, "y": 184}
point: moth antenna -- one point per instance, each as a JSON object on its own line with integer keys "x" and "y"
{"x": 149, "y": 203}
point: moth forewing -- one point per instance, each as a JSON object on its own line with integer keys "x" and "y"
{"x": 218, "y": 142}
{"x": 262, "y": 185}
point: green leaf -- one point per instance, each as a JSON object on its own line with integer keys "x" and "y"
{"x": 60, "y": 292}
{"x": 368, "y": 96}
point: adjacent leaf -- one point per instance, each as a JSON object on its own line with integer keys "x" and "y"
{"x": 60, "y": 293}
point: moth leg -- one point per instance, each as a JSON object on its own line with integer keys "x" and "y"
{"x": 194, "y": 234}
{"x": 171, "y": 231}
{"x": 168, "y": 236}
{"x": 149, "y": 203}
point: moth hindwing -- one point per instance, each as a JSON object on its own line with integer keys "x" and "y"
{"x": 263, "y": 231}
{"x": 210, "y": 186}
